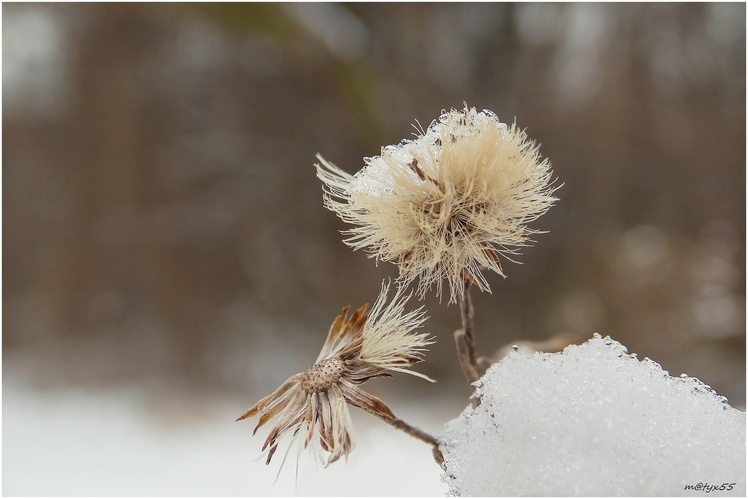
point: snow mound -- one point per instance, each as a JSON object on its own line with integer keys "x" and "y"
{"x": 594, "y": 420}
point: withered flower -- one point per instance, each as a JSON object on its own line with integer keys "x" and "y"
{"x": 448, "y": 203}
{"x": 364, "y": 345}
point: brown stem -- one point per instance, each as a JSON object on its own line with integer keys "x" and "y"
{"x": 413, "y": 432}
{"x": 465, "y": 337}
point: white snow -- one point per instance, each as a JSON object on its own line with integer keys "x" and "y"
{"x": 376, "y": 177}
{"x": 594, "y": 420}
{"x": 591, "y": 421}
{"x": 114, "y": 443}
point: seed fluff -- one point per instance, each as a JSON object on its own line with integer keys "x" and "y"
{"x": 447, "y": 204}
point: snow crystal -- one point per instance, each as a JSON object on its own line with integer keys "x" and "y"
{"x": 376, "y": 178}
{"x": 594, "y": 420}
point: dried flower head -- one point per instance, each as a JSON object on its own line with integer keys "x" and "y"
{"x": 446, "y": 204}
{"x": 359, "y": 347}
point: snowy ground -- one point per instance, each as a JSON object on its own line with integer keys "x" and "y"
{"x": 618, "y": 425}
{"x": 113, "y": 443}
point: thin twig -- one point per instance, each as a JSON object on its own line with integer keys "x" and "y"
{"x": 466, "y": 314}
{"x": 413, "y": 432}
{"x": 410, "y": 430}
{"x": 465, "y": 337}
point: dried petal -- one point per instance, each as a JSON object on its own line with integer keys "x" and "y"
{"x": 356, "y": 396}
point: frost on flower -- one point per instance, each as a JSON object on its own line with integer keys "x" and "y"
{"x": 367, "y": 344}
{"x": 448, "y": 203}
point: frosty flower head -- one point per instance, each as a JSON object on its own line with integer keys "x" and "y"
{"x": 364, "y": 345}
{"x": 446, "y": 204}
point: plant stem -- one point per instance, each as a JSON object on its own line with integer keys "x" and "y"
{"x": 413, "y": 432}
{"x": 465, "y": 337}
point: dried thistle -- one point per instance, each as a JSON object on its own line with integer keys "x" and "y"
{"x": 446, "y": 204}
{"x": 364, "y": 345}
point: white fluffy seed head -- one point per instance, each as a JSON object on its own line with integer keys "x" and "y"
{"x": 446, "y": 204}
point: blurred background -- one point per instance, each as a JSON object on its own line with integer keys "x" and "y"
{"x": 168, "y": 261}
